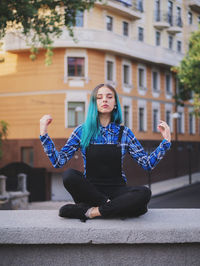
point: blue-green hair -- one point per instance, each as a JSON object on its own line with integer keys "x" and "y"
{"x": 91, "y": 128}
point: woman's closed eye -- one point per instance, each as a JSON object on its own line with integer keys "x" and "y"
{"x": 109, "y": 96}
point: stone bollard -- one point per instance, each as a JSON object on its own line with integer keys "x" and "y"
{"x": 22, "y": 182}
{"x": 3, "y": 192}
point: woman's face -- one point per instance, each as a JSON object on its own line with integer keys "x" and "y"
{"x": 105, "y": 100}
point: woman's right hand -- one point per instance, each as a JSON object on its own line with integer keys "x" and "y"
{"x": 44, "y": 122}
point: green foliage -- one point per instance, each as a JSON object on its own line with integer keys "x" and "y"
{"x": 3, "y": 134}
{"x": 189, "y": 74}
{"x": 41, "y": 20}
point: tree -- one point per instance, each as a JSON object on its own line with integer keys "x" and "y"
{"x": 3, "y": 134}
{"x": 188, "y": 74}
{"x": 40, "y": 21}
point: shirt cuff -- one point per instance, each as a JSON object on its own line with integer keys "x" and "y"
{"x": 166, "y": 144}
{"x": 43, "y": 137}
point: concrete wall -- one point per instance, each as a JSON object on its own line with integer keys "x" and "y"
{"x": 90, "y": 255}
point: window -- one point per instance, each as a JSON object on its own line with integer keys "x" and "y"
{"x": 180, "y": 122}
{"x": 157, "y": 10}
{"x": 168, "y": 117}
{"x": 157, "y": 38}
{"x": 76, "y": 66}
{"x": 155, "y": 120}
{"x": 179, "y": 86}
{"x": 155, "y": 83}
{"x": 140, "y": 5}
{"x": 27, "y": 155}
{"x": 127, "y": 111}
{"x": 170, "y": 13}
{"x": 155, "y": 80}
{"x": 141, "y": 118}
{"x": 155, "y": 115}
{"x": 76, "y": 113}
{"x": 141, "y": 77}
{"x": 190, "y": 18}
{"x": 191, "y": 124}
{"x": 199, "y": 19}
{"x": 125, "y": 28}
{"x": 110, "y": 70}
{"x": 178, "y": 18}
{"x": 170, "y": 42}
{"x": 179, "y": 46}
{"x": 126, "y": 74}
{"x": 142, "y": 115}
{"x": 109, "y": 23}
{"x": 140, "y": 34}
{"x": 79, "y": 19}
{"x": 126, "y": 115}
{"x": 168, "y": 83}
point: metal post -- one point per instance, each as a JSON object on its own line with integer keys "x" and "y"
{"x": 175, "y": 116}
{"x": 189, "y": 165}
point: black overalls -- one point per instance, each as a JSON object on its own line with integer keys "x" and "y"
{"x": 104, "y": 182}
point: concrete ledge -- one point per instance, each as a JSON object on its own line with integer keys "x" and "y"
{"x": 162, "y": 237}
{"x": 46, "y": 227}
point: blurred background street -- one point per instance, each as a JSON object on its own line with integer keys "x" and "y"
{"x": 188, "y": 197}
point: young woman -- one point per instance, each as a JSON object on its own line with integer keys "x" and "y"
{"x": 101, "y": 190}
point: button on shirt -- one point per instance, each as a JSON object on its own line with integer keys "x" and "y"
{"x": 108, "y": 135}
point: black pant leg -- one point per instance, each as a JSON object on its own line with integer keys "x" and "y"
{"x": 81, "y": 189}
{"x": 131, "y": 203}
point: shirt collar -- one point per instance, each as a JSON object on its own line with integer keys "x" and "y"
{"x": 111, "y": 128}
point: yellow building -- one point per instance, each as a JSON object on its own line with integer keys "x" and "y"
{"x": 129, "y": 44}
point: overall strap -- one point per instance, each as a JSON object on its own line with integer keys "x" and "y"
{"x": 120, "y": 134}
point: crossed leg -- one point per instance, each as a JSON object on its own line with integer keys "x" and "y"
{"x": 125, "y": 201}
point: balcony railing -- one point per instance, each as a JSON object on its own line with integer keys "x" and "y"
{"x": 178, "y": 21}
{"x": 161, "y": 16}
{"x": 136, "y": 5}
{"x": 122, "y": 7}
{"x": 166, "y": 17}
{"x": 175, "y": 20}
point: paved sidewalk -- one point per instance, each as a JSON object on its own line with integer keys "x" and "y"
{"x": 183, "y": 198}
{"x": 158, "y": 188}
{"x": 166, "y": 186}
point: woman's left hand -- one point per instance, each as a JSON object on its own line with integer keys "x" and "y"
{"x": 164, "y": 130}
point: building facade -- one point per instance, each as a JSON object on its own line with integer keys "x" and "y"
{"x": 131, "y": 45}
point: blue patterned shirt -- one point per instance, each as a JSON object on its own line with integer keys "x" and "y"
{"x": 109, "y": 135}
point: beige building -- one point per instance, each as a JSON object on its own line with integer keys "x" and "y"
{"x": 129, "y": 44}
